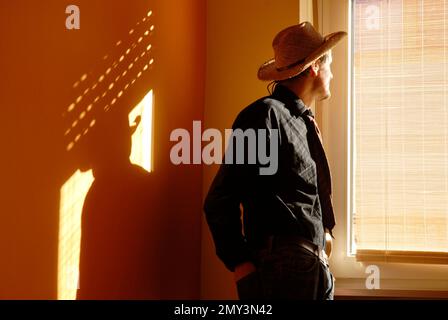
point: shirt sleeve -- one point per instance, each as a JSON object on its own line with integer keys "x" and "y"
{"x": 222, "y": 204}
{"x": 223, "y": 215}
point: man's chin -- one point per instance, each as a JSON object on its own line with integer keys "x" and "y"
{"x": 325, "y": 97}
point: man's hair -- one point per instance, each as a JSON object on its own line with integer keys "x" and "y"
{"x": 321, "y": 60}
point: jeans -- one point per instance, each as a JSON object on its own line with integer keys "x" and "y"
{"x": 287, "y": 272}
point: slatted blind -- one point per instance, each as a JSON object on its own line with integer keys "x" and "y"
{"x": 400, "y": 125}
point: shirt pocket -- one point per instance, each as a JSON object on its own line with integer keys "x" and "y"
{"x": 309, "y": 174}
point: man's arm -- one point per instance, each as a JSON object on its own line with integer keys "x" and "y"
{"x": 223, "y": 215}
{"x": 222, "y": 204}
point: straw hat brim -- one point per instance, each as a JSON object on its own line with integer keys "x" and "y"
{"x": 269, "y": 72}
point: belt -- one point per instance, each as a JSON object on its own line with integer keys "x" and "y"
{"x": 282, "y": 240}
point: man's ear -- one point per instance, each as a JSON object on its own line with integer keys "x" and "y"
{"x": 314, "y": 68}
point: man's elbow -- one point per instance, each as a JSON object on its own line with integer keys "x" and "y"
{"x": 209, "y": 205}
{"x": 215, "y": 210}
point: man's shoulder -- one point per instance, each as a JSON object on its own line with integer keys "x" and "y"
{"x": 263, "y": 105}
{"x": 261, "y": 109}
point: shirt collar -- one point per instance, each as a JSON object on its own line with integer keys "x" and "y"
{"x": 291, "y": 101}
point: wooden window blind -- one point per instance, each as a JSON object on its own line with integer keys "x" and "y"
{"x": 400, "y": 128}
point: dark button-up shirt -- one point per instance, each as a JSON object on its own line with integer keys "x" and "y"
{"x": 284, "y": 203}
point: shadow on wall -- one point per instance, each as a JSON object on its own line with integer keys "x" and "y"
{"x": 116, "y": 244}
{"x": 106, "y": 249}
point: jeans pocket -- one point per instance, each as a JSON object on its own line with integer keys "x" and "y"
{"x": 330, "y": 292}
{"x": 301, "y": 260}
{"x": 292, "y": 273}
{"x": 248, "y": 287}
{"x": 328, "y": 283}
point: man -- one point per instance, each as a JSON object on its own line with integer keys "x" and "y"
{"x": 281, "y": 253}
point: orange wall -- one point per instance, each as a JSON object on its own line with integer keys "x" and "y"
{"x": 40, "y": 62}
{"x": 239, "y": 36}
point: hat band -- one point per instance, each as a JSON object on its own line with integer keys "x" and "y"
{"x": 290, "y": 66}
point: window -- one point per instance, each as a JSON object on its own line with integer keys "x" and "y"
{"x": 399, "y": 133}
{"x": 338, "y": 125}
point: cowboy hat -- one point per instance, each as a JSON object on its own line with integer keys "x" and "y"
{"x": 295, "y": 49}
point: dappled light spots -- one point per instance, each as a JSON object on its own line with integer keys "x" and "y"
{"x": 70, "y": 146}
{"x": 115, "y": 79}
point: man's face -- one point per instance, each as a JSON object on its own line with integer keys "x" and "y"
{"x": 323, "y": 79}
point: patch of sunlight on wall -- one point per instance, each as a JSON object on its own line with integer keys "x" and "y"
{"x": 72, "y": 195}
{"x": 141, "y": 153}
